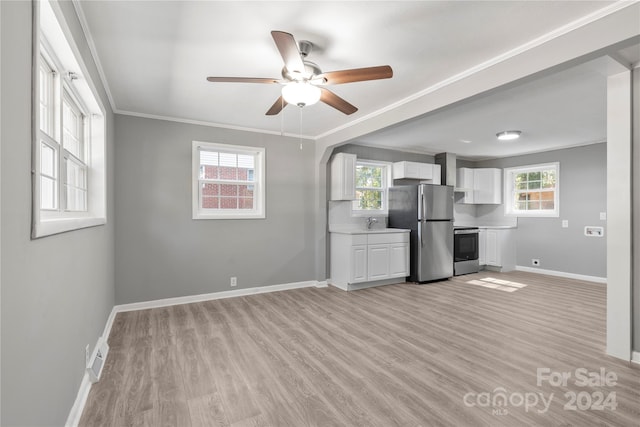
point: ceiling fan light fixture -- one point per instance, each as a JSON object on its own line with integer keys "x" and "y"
{"x": 508, "y": 135}
{"x": 301, "y": 93}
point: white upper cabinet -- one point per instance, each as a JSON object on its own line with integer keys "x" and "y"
{"x": 464, "y": 183}
{"x": 487, "y": 186}
{"x": 413, "y": 170}
{"x": 343, "y": 177}
{"x": 480, "y": 186}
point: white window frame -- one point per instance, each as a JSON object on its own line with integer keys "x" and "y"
{"x": 258, "y": 153}
{"x": 55, "y": 49}
{"x": 509, "y": 191}
{"x": 386, "y": 182}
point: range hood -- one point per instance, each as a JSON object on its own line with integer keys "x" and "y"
{"x": 448, "y": 171}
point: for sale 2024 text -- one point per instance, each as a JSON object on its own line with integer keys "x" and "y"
{"x": 582, "y": 377}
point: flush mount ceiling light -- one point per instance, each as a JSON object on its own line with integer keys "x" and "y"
{"x": 508, "y": 135}
{"x": 301, "y": 93}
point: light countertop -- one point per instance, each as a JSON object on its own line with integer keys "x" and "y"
{"x": 353, "y": 230}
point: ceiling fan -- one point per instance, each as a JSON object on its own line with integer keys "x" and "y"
{"x": 303, "y": 80}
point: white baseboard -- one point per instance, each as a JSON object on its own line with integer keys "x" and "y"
{"x": 635, "y": 357}
{"x": 562, "y": 274}
{"x": 358, "y": 286}
{"x": 78, "y": 406}
{"x": 85, "y": 386}
{"x": 213, "y": 296}
{"x": 109, "y": 324}
{"x": 342, "y": 286}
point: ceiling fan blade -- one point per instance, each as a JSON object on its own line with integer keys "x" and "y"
{"x": 288, "y": 48}
{"x": 357, "y": 75}
{"x": 242, "y": 80}
{"x": 336, "y": 102}
{"x": 277, "y": 106}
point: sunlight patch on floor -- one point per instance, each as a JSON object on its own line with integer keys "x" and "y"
{"x": 499, "y": 284}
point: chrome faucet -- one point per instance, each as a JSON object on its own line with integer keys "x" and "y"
{"x": 370, "y": 221}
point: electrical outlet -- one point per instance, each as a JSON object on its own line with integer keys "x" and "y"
{"x": 565, "y": 223}
{"x": 234, "y": 281}
{"x": 535, "y": 262}
{"x": 87, "y": 355}
{"x": 603, "y": 216}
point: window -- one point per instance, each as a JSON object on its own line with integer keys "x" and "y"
{"x": 228, "y": 181}
{"x": 69, "y": 149}
{"x": 532, "y": 190}
{"x": 372, "y": 183}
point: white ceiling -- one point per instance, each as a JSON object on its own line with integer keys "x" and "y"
{"x": 565, "y": 109}
{"x": 155, "y": 56}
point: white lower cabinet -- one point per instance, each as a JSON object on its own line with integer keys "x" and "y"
{"x": 399, "y": 260}
{"x": 378, "y": 262}
{"x": 368, "y": 259}
{"x": 497, "y": 248}
{"x": 492, "y": 248}
{"x": 359, "y": 264}
{"x": 482, "y": 246}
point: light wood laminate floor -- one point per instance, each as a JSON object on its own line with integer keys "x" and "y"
{"x": 439, "y": 354}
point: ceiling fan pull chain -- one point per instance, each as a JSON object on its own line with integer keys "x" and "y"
{"x": 300, "y": 131}
{"x": 282, "y": 117}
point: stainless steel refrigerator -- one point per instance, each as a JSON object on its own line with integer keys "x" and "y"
{"x": 426, "y": 210}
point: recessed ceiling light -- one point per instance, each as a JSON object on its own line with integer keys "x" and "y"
{"x": 466, "y": 141}
{"x": 508, "y": 135}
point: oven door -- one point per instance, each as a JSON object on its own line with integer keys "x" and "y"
{"x": 465, "y": 244}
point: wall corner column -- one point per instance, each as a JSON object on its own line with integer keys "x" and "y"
{"x": 619, "y": 215}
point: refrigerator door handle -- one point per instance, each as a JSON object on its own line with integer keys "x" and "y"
{"x": 421, "y": 232}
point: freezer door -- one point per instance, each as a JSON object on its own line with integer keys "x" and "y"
{"x": 435, "y": 202}
{"x": 403, "y": 206}
{"x": 435, "y": 254}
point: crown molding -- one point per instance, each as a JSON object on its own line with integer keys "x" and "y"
{"x": 539, "y": 41}
{"x": 93, "y": 50}
{"x": 211, "y": 124}
{"x": 532, "y": 44}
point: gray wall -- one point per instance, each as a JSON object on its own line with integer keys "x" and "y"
{"x": 636, "y": 210}
{"x": 161, "y": 252}
{"x": 57, "y": 292}
{"x": 583, "y": 195}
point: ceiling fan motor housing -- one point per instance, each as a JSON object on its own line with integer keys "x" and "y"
{"x": 305, "y": 47}
{"x": 302, "y": 78}
{"x": 310, "y": 70}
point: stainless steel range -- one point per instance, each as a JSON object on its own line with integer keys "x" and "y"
{"x": 465, "y": 250}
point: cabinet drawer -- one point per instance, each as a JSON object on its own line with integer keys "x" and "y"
{"x": 383, "y": 238}
{"x": 358, "y": 239}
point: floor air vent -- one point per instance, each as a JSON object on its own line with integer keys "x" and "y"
{"x": 96, "y": 363}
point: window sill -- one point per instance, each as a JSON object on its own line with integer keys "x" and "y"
{"x": 532, "y": 215}
{"x": 62, "y": 225}
{"x": 199, "y": 216}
